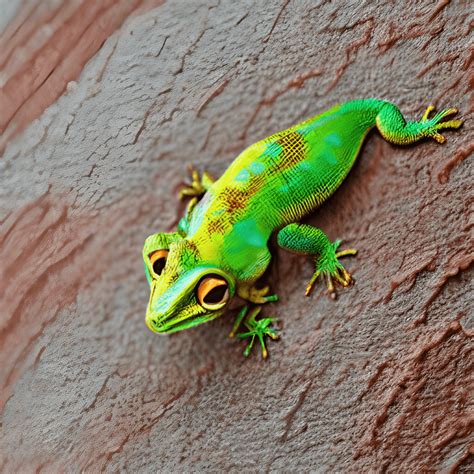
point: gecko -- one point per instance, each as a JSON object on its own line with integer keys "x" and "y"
{"x": 220, "y": 248}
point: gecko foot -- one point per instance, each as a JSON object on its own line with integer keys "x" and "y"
{"x": 331, "y": 270}
{"x": 434, "y": 124}
{"x": 256, "y": 329}
{"x": 198, "y": 186}
{"x": 257, "y": 295}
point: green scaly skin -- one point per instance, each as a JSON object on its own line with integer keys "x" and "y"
{"x": 268, "y": 189}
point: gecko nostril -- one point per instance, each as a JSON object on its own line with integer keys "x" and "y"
{"x": 155, "y": 322}
{"x": 152, "y": 323}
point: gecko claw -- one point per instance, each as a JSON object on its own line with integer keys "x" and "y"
{"x": 434, "y": 124}
{"x": 256, "y": 329}
{"x": 427, "y": 113}
{"x": 198, "y": 186}
{"x": 331, "y": 270}
{"x": 257, "y": 295}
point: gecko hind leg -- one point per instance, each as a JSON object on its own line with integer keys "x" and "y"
{"x": 198, "y": 186}
{"x": 395, "y": 129}
{"x": 307, "y": 240}
{"x": 256, "y": 329}
{"x": 329, "y": 267}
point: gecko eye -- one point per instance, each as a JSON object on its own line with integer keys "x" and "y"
{"x": 213, "y": 292}
{"x": 158, "y": 261}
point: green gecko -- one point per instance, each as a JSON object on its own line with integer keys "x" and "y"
{"x": 220, "y": 249}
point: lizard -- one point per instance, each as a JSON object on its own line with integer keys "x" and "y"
{"x": 220, "y": 248}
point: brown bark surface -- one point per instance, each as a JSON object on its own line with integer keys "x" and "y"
{"x": 379, "y": 380}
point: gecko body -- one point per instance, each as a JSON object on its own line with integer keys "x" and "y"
{"x": 220, "y": 249}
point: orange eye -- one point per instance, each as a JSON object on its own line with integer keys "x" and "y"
{"x": 158, "y": 261}
{"x": 213, "y": 292}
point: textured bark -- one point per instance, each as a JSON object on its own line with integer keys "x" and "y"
{"x": 379, "y": 380}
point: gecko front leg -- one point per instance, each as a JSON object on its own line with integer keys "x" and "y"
{"x": 198, "y": 186}
{"x": 195, "y": 190}
{"x": 246, "y": 316}
{"x": 256, "y": 295}
{"x": 255, "y": 329}
{"x": 307, "y": 240}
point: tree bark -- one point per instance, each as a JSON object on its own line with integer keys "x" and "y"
{"x": 97, "y": 137}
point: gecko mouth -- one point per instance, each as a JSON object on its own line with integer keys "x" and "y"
{"x": 168, "y": 327}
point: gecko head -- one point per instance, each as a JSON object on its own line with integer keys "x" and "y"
{"x": 185, "y": 291}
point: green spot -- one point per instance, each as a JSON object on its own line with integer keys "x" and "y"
{"x": 330, "y": 158}
{"x": 273, "y": 150}
{"x": 257, "y": 167}
{"x": 250, "y": 234}
{"x": 243, "y": 176}
{"x": 333, "y": 139}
